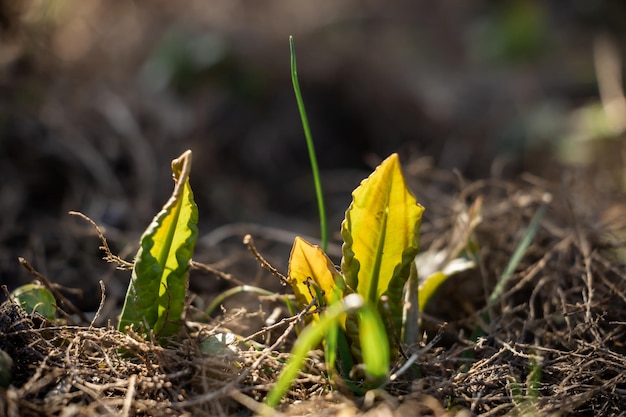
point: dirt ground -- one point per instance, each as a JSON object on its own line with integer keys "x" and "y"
{"x": 505, "y": 104}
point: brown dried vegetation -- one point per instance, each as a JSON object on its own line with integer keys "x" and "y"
{"x": 564, "y": 308}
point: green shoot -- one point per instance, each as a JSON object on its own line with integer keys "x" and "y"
{"x": 381, "y": 234}
{"x": 526, "y": 395}
{"x": 521, "y": 249}
{"x": 156, "y": 294}
{"x": 310, "y": 147}
{"x": 373, "y": 342}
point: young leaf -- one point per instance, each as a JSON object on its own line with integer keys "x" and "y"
{"x": 157, "y": 290}
{"x": 311, "y": 272}
{"x": 381, "y": 235}
{"x": 35, "y": 298}
{"x": 309, "y": 266}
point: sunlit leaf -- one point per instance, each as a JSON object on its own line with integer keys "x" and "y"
{"x": 381, "y": 236}
{"x": 310, "y": 267}
{"x": 156, "y": 294}
{"x": 312, "y": 273}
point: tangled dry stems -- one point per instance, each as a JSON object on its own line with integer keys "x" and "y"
{"x": 564, "y": 309}
{"x": 562, "y": 314}
{"x": 91, "y": 371}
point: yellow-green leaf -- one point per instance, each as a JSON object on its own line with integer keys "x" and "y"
{"x": 381, "y": 236}
{"x": 156, "y": 294}
{"x": 310, "y": 267}
{"x": 312, "y": 274}
{"x": 428, "y": 287}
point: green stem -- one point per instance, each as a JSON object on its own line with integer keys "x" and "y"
{"x": 234, "y": 291}
{"x": 372, "y": 337}
{"x": 310, "y": 147}
{"x": 515, "y": 260}
{"x": 521, "y": 249}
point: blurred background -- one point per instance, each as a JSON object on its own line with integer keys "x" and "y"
{"x": 97, "y": 97}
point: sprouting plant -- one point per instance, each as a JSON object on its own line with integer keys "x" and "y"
{"x": 525, "y": 396}
{"x": 155, "y": 299}
{"x": 372, "y": 336}
{"x": 381, "y": 239}
{"x": 377, "y": 286}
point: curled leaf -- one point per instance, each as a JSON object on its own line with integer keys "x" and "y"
{"x": 311, "y": 271}
{"x": 312, "y": 274}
